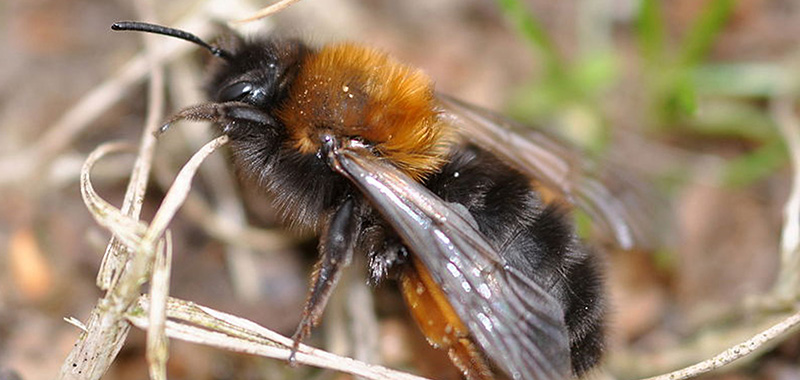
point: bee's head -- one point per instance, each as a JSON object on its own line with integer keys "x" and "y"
{"x": 248, "y": 81}
{"x": 258, "y": 73}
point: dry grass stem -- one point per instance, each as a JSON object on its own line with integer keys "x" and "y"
{"x": 267, "y": 11}
{"x": 180, "y": 189}
{"x": 193, "y": 323}
{"x": 116, "y": 256}
{"x": 124, "y": 228}
{"x": 157, "y": 341}
{"x": 736, "y": 352}
{"x": 788, "y": 282}
{"x": 223, "y": 228}
{"x": 107, "y": 329}
{"x": 157, "y": 344}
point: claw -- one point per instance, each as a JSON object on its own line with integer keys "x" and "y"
{"x": 302, "y": 332}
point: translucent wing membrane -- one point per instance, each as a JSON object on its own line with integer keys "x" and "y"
{"x": 548, "y": 161}
{"x": 512, "y": 318}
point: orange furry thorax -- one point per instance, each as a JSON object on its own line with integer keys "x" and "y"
{"x": 358, "y": 92}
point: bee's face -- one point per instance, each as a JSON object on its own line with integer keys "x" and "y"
{"x": 258, "y": 73}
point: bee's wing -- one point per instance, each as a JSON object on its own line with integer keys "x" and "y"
{"x": 511, "y": 317}
{"x": 551, "y": 163}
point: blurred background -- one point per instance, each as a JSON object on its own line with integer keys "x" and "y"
{"x": 690, "y": 97}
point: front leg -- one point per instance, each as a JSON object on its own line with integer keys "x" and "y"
{"x": 336, "y": 250}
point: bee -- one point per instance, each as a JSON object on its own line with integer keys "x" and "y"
{"x": 444, "y": 197}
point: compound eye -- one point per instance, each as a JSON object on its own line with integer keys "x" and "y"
{"x": 237, "y": 91}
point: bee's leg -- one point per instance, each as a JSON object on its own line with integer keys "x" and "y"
{"x": 336, "y": 250}
{"x": 384, "y": 253}
{"x": 440, "y": 323}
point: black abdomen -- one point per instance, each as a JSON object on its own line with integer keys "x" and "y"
{"x": 534, "y": 237}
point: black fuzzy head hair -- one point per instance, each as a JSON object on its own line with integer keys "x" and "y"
{"x": 259, "y": 72}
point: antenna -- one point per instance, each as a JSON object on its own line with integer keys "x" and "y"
{"x": 172, "y": 32}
